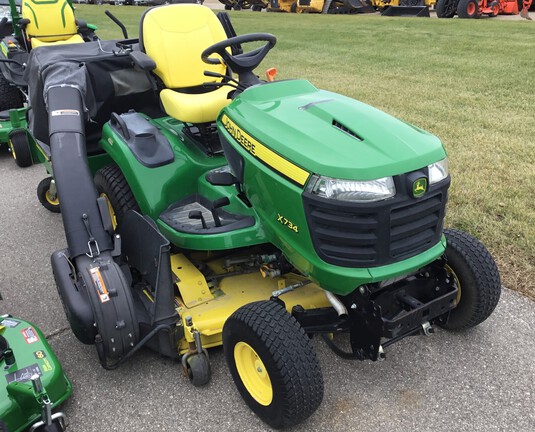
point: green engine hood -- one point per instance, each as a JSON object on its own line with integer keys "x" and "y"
{"x": 306, "y": 126}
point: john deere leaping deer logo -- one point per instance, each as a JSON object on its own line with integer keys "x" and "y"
{"x": 419, "y": 187}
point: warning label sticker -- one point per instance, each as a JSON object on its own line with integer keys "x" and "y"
{"x": 24, "y": 374}
{"x": 30, "y": 335}
{"x": 102, "y": 291}
{"x": 10, "y": 323}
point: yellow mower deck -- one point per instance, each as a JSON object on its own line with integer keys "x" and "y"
{"x": 209, "y": 307}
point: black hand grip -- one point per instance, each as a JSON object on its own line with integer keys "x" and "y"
{"x": 118, "y": 123}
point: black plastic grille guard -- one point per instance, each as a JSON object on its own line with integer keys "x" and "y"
{"x": 374, "y": 234}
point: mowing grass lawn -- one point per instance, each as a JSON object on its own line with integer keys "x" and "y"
{"x": 470, "y": 82}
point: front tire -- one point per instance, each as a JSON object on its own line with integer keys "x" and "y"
{"x": 48, "y": 196}
{"x": 477, "y": 277}
{"x": 198, "y": 369}
{"x": 273, "y": 364}
{"x": 468, "y": 9}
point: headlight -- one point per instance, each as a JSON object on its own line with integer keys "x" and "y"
{"x": 351, "y": 190}
{"x": 438, "y": 171}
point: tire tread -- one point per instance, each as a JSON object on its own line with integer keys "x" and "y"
{"x": 112, "y": 182}
{"x": 486, "y": 279}
{"x": 284, "y": 338}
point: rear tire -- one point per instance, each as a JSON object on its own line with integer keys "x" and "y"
{"x": 468, "y": 9}
{"x": 10, "y": 96}
{"x": 273, "y": 363}
{"x": 446, "y": 8}
{"x": 477, "y": 277}
{"x": 111, "y": 183}
{"x": 19, "y": 144}
{"x": 49, "y": 201}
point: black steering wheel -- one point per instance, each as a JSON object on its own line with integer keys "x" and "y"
{"x": 240, "y": 63}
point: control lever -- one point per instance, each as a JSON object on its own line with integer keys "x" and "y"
{"x": 218, "y": 203}
{"x": 227, "y": 77}
{"x": 197, "y": 214}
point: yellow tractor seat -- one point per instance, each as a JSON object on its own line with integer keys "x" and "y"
{"x": 73, "y": 39}
{"x": 195, "y": 108}
{"x": 50, "y": 21}
{"x": 174, "y": 37}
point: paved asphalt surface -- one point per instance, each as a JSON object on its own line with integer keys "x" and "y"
{"x": 479, "y": 380}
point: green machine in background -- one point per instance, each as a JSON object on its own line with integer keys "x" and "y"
{"x": 22, "y": 28}
{"x": 33, "y": 383}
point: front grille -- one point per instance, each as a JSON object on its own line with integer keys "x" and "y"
{"x": 380, "y": 233}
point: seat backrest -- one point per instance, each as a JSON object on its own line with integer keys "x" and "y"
{"x": 174, "y": 36}
{"x": 50, "y": 20}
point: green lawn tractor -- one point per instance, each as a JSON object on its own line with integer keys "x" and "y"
{"x": 34, "y": 383}
{"x": 24, "y": 27}
{"x": 251, "y": 214}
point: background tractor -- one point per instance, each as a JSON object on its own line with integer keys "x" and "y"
{"x": 320, "y": 6}
{"x": 476, "y": 8}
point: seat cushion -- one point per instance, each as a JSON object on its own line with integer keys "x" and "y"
{"x": 73, "y": 39}
{"x": 195, "y": 108}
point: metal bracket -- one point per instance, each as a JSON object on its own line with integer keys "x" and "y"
{"x": 56, "y": 416}
{"x": 427, "y": 328}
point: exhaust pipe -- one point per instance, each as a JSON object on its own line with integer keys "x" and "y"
{"x": 336, "y": 303}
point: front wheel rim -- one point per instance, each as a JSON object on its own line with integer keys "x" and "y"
{"x": 451, "y": 273}
{"x": 12, "y": 148}
{"x": 253, "y": 373}
{"x": 471, "y": 9}
{"x": 50, "y": 200}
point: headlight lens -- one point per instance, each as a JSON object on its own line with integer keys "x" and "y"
{"x": 350, "y": 190}
{"x": 438, "y": 171}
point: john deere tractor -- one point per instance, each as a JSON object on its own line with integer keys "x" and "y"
{"x": 250, "y": 214}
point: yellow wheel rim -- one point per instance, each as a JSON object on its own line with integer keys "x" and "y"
{"x": 10, "y": 144}
{"x": 451, "y": 273}
{"x": 50, "y": 200}
{"x": 113, "y": 216}
{"x": 253, "y": 373}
